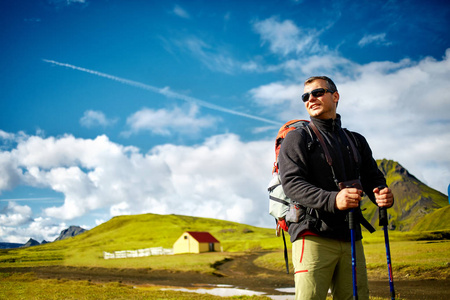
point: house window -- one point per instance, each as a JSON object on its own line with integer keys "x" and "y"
{"x": 185, "y": 237}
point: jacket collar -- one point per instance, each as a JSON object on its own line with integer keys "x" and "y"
{"x": 329, "y": 124}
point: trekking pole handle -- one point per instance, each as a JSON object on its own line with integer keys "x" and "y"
{"x": 351, "y": 219}
{"x": 383, "y": 213}
{"x": 383, "y": 216}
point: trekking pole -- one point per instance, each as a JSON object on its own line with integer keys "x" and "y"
{"x": 384, "y": 223}
{"x": 351, "y": 223}
{"x": 286, "y": 260}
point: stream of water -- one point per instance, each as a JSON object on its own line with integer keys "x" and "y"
{"x": 230, "y": 291}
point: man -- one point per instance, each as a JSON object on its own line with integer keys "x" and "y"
{"x": 321, "y": 249}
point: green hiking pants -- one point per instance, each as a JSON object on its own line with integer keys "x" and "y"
{"x": 322, "y": 263}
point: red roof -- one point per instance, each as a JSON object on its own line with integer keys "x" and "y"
{"x": 203, "y": 237}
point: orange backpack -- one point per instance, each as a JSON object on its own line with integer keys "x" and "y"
{"x": 289, "y": 126}
{"x": 279, "y": 203}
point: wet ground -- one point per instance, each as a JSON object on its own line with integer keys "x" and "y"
{"x": 239, "y": 273}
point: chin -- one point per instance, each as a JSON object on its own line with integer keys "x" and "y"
{"x": 315, "y": 114}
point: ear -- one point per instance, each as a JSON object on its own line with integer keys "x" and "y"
{"x": 336, "y": 98}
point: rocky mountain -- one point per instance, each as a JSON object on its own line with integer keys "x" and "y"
{"x": 70, "y": 232}
{"x": 414, "y": 201}
{"x": 31, "y": 243}
{"x": 66, "y": 233}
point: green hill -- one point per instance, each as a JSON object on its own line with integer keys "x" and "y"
{"x": 437, "y": 220}
{"x": 413, "y": 201}
{"x": 139, "y": 232}
{"x": 152, "y": 230}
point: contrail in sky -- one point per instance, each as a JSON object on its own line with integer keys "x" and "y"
{"x": 163, "y": 91}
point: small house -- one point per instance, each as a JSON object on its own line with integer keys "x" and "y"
{"x": 196, "y": 242}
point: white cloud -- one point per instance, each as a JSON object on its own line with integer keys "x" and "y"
{"x": 404, "y": 112}
{"x": 377, "y": 39}
{"x": 9, "y": 174}
{"x": 299, "y": 50}
{"x": 282, "y": 99}
{"x": 92, "y": 118}
{"x": 18, "y": 226}
{"x": 276, "y": 93}
{"x": 218, "y": 177}
{"x": 179, "y": 11}
{"x": 217, "y": 58}
{"x": 285, "y": 37}
{"x": 15, "y": 215}
{"x": 99, "y": 221}
{"x": 282, "y": 38}
{"x": 222, "y": 178}
{"x": 39, "y": 229}
{"x": 214, "y": 58}
{"x": 169, "y": 122}
{"x": 122, "y": 208}
{"x": 6, "y": 135}
{"x": 401, "y": 107}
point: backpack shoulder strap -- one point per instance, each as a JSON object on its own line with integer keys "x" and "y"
{"x": 352, "y": 145}
{"x": 325, "y": 149}
{"x": 322, "y": 143}
{"x": 360, "y": 216}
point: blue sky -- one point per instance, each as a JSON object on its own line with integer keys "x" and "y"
{"x": 126, "y": 107}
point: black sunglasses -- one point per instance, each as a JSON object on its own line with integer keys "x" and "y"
{"x": 316, "y": 93}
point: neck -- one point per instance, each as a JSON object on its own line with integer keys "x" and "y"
{"x": 328, "y": 124}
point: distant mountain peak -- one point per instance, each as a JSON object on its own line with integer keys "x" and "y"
{"x": 30, "y": 243}
{"x": 413, "y": 199}
{"x": 70, "y": 232}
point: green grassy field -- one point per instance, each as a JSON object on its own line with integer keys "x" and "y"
{"x": 138, "y": 232}
{"x": 415, "y": 255}
{"x": 27, "y": 286}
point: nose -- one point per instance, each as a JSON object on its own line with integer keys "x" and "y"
{"x": 311, "y": 96}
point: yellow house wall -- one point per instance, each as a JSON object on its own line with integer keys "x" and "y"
{"x": 205, "y": 247}
{"x": 217, "y": 247}
{"x": 189, "y": 245}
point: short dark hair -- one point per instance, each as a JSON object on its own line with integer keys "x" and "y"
{"x": 330, "y": 83}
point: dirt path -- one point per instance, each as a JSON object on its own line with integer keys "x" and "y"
{"x": 239, "y": 272}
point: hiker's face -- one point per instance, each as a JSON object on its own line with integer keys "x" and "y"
{"x": 323, "y": 107}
